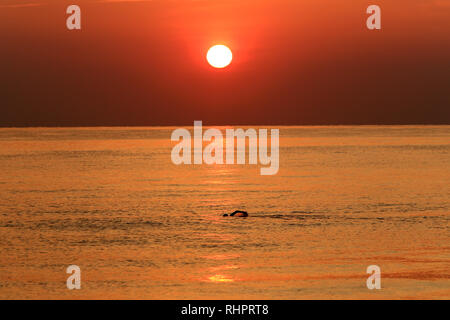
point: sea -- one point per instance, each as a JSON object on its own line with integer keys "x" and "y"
{"x": 111, "y": 201}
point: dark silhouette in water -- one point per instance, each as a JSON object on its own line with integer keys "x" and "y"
{"x": 237, "y": 213}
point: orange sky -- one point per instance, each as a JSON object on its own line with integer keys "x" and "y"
{"x": 295, "y": 62}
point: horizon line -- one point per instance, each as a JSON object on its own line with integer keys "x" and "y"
{"x": 225, "y": 125}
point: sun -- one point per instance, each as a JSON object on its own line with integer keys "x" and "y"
{"x": 219, "y": 56}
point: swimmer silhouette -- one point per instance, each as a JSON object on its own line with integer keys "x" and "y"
{"x": 237, "y": 213}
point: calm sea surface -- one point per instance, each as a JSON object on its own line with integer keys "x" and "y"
{"x": 110, "y": 201}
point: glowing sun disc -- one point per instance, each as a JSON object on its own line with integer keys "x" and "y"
{"x": 219, "y": 56}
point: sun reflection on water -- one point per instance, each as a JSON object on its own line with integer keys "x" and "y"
{"x": 220, "y": 278}
{"x": 218, "y": 275}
